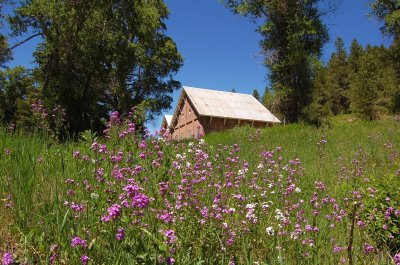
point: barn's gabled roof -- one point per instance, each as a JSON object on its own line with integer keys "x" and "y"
{"x": 222, "y": 104}
{"x": 166, "y": 121}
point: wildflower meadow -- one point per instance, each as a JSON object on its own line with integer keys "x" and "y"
{"x": 286, "y": 195}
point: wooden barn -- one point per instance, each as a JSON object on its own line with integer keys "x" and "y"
{"x": 200, "y": 111}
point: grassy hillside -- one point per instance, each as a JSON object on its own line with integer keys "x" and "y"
{"x": 284, "y": 195}
{"x": 346, "y": 137}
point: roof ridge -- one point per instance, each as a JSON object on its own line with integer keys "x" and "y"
{"x": 215, "y": 90}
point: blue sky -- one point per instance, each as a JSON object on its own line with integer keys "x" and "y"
{"x": 221, "y": 49}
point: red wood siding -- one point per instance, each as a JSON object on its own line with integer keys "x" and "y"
{"x": 187, "y": 124}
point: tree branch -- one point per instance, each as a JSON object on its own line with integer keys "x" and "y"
{"x": 26, "y": 40}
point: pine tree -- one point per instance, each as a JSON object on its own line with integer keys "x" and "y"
{"x": 338, "y": 79}
{"x": 256, "y": 95}
{"x": 320, "y": 109}
{"x": 388, "y": 12}
{"x": 394, "y": 58}
{"x": 374, "y": 85}
{"x": 293, "y": 36}
{"x": 356, "y": 52}
{"x": 354, "y": 64}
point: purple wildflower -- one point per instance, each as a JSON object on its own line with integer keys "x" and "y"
{"x": 368, "y": 248}
{"x": 85, "y": 259}
{"x": 396, "y": 259}
{"x": 77, "y": 241}
{"x": 165, "y": 216}
{"x": 143, "y": 145}
{"x": 132, "y": 189}
{"x": 169, "y": 235}
{"x": 121, "y": 234}
{"x": 319, "y": 185}
{"x": 337, "y": 249}
{"x": 361, "y": 224}
{"x": 53, "y": 257}
{"x": 54, "y": 254}
{"x": 140, "y": 200}
{"x": 77, "y": 207}
{"x": 8, "y": 259}
{"x": 169, "y": 260}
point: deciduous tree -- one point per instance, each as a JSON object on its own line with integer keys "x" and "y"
{"x": 101, "y": 56}
{"x": 388, "y": 11}
{"x": 5, "y": 53}
{"x": 16, "y": 88}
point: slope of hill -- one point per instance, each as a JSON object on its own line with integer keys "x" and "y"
{"x": 284, "y": 195}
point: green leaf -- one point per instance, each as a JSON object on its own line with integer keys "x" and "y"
{"x": 163, "y": 247}
{"x": 64, "y": 219}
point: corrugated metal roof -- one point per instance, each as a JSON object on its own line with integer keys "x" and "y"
{"x": 215, "y": 103}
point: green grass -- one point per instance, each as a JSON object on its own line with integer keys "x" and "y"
{"x": 344, "y": 139}
{"x": 36, "y": 170}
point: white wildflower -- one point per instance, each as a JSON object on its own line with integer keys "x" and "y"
{"x": 279, "y": 215}
{"x": 251, "y": 206}
{"x": 270, "y": 231}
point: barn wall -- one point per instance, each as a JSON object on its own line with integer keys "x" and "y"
{"x": 221, "y": 124}
{"x": 188, "y": 124}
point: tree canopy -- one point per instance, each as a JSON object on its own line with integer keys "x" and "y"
{"x": 388, "y": 11}
{"x": 293, "y": 37}
{"x": 5, "y": 53}
{"x": 100, "y": 56}
{"x": 364, "y": 82}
